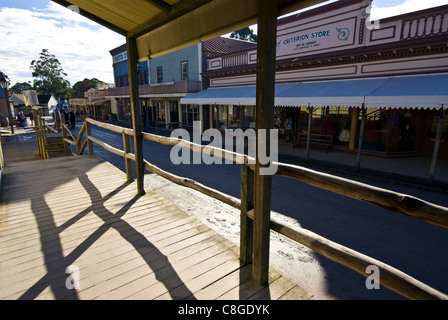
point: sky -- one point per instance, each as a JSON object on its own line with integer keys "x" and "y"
{"x": 82, "y": 46}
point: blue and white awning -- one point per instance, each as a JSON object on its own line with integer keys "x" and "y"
{"x": 419, "y": 91}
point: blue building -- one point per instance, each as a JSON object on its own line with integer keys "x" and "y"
{"x": 164, "y": 80}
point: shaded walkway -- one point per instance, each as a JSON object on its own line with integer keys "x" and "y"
{"x": 76, "y": 219}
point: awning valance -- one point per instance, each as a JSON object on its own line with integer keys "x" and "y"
{"x": 244, "y": 95}
{"x": 419, "y": 91}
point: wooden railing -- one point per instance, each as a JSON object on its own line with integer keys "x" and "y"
{"x": 184, "y": 86}
{"x": 405, "y": 204}
{"x": 42, "y": 128}
{"x": 2, "y": 158}
{"x": 428, "y": 25}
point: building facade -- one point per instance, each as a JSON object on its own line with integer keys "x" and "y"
{"x": 332, "y": 64}
{"x": 164, "y": 80}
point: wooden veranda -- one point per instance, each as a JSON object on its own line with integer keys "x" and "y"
{"x": 159, "y": 29}
{"x": 58, "y": 216}
{"x": 71, "y": 221}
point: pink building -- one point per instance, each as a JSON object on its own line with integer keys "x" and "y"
{"x": 333, "y": 66}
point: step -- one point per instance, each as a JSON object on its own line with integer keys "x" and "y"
{"x": 59, "y": 153}
{"x": 55, "y": 146}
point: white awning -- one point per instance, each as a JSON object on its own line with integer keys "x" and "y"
{"x": 419, "y": 91}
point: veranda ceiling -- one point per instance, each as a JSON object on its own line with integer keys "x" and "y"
{"x": 162, "y": 26}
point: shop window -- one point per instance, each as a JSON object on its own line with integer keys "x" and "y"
{"x": 221, "y": 117}
{"x": 249, "y": 117}
{"x": 174, "y": 111}
{"x": 159, "y": 111}
{"x": 433, "y": 124}
{"x": 190, "y": 113}
{"x": 277, "y": 123}
{"x": 234, "y": 117}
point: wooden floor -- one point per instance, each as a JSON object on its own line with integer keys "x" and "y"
{"x": 77, "y": 218}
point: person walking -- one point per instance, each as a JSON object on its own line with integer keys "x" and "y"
{"x": 288, "y": 128}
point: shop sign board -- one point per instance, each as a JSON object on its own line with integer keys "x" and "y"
{"x": 333, "y": 35}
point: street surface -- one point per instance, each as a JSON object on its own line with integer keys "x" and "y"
{"x": 414, "y": 247}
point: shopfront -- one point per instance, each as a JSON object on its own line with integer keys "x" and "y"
{"x": 401, "y": 114}
{"x": 333, "y": 68}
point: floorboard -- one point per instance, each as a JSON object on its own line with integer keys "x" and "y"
{"x": 79, "y": 212}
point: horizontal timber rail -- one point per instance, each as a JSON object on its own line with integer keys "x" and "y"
{"x": 393, "y": 201}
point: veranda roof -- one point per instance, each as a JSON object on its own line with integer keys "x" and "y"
{"x": 162, "y": 26}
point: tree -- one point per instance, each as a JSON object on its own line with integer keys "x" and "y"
{"x": 244, "y": 34}
{"x": 82, "y": 86}
{"x": 21, "y": 86}
{"x": 48, "y": 74}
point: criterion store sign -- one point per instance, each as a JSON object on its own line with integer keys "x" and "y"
{"x": 337, "y": 34}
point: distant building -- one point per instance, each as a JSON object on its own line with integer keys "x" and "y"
{"x": 164, "y": 80}
{"x": 48, "y": 101}
{"x": 18, "y": 103}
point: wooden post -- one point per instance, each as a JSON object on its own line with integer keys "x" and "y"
{"x": 41, "y": 136}
{"x": 89, "y": 142}
{"x": 128, "y": 162}
{"x": 361, "y": 135}
{"x": 436, "y": 146}
{"x": 44, "y": 136}
{"x": 308, "y": 137}
{"x": 136, "y": 116}
{"x": 167, "y": 113}
{"x": 353, "y": 128}
{"x": 8, "y": 106}
{"x": 211, "y": 108}
{"x": 266, "y": 54}
{"x": 64, "y": 131}
{"x": 247, "y": 203}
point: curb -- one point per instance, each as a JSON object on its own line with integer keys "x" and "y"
{"x": 365, "y": 173}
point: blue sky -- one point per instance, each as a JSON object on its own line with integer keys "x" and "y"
{"x": 83, "y": 46}
{"x": 25, "y": 4}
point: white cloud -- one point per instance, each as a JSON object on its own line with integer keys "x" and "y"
{"x": 79, "y": 44}
{"x": 404, "y": 7}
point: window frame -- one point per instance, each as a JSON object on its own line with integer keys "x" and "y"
{"x": 184, "y": 73}
{"x": 159, "y": 74}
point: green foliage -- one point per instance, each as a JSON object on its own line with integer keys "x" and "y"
{"x": 48, "y": 74}
{"x": 244, "y": 34}
{"x": 82, "y": 86}
{"x": 21, "y": 86}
